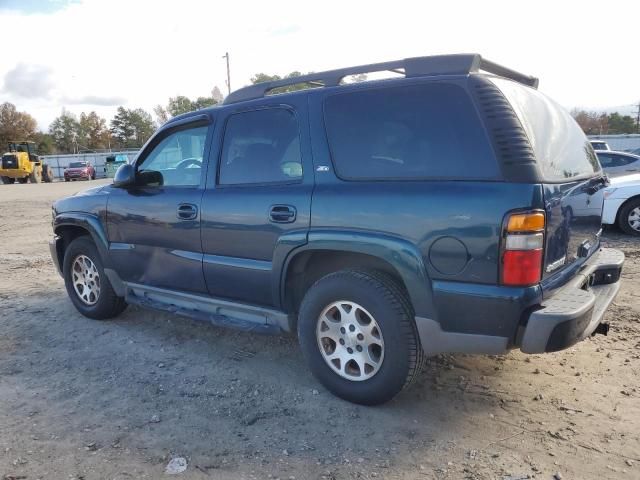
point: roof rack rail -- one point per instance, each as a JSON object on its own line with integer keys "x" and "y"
{"x": 464, "y": 63}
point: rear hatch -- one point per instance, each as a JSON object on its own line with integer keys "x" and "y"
{"x": 573, "y": 185}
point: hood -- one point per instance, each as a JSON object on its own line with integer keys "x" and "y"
{"x": 625, "y": 180}
{"x": 89, "y": 200}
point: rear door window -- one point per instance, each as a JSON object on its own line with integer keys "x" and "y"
{"x": 562, "y": 150}
{"x": 426, "y": 131}
{"x": 260, "y": 147}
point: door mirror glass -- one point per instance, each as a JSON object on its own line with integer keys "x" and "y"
{"x": 125, "y": 176}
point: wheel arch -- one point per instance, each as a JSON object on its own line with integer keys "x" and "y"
{"x": 327, "y": 252}
{"x": 624, "y": 204}
{"x": 69, "y": 226}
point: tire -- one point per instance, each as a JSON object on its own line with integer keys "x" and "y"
{"x": 8, "y": 180}
{"x": 93, "y": 177}
{"x": 101, "y": 306}
{"x": 35, "y": 176}
{"x": 379, "y": 301}
{"x": 47, "y": 174}
{"x": 66, "y": 179}
{"x": 23, "y": 180}
{"x": 630, "y": 210}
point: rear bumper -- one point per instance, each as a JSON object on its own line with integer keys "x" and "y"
{"x": 575, "y": 310}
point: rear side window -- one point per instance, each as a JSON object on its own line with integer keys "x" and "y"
{"x": 428, "y": 131}
{"x": 261, "y": 146}
{"x": 561, "y": 148}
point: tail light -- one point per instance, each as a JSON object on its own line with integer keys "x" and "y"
{"x": 523, "y": 246}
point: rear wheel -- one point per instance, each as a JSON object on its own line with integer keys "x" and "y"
{"x": 357, "y": 333}
{"x": 47, "y": 174}
{"x": 87, "y": 285}
{"x": 23, "y": 180}
{"x": 36, "y": 176}
{"x": 629, "y": 217}
{"x": 8, "y": 180}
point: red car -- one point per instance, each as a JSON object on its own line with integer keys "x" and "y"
{"x": 79, "y": 171}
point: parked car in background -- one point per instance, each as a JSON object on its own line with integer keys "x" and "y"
{"x": 622, "y": 203}
{"x": 446, "y": 210}
{"x": 618, "y": 163}
{"x": 79, "y": 171}
{"x": 112, "y": 163}
{"x": 599, "y": 145}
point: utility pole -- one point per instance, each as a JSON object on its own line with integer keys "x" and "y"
{"x": 226, "y": 56}
{"x": 638, "y": 118}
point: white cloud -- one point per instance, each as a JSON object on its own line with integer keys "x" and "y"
{"x": 146, "y": 51}
{"x": 28, "y": 81}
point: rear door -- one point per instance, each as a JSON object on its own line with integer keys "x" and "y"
{"x": 573, "y": 179}
{"x": 256, "y": 207}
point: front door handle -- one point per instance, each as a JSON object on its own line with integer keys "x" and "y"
{"x": 282, "y": 214}
{"x": 187, "y": 211}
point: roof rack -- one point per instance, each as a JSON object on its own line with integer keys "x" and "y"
{"x": 456, "y": 64}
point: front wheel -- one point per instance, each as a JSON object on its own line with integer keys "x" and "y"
{"x": 87, "y": 285}
{"x": 357, "y": 333}
{"x": 8, "y": 180}
{"x": 629, "y": 218}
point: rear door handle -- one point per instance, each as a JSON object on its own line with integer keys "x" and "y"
{"x": 187, "y": 211}
{"x": 282, "y": 214}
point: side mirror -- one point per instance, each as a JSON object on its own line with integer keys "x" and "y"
{"x": 125, "y": 176}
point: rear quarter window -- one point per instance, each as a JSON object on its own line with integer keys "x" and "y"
{"x": 562, "y": 150}
{"x": 425, "y": 131}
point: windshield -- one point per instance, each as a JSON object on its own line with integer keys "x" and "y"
{"x": 77, "y": 165}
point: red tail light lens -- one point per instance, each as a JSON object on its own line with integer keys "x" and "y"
{"x": 521, "y": 267}
{"x": 523, "y": 245}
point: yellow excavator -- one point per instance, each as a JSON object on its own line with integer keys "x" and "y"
{"x": 21, "y": 163}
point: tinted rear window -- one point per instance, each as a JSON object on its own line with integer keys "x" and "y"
{"x": 412, "y": 132}
{"x": 562, "y": 149}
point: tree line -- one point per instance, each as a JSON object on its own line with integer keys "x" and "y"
{"x": 596, "y": 123}
{"x": 70, "y": 133}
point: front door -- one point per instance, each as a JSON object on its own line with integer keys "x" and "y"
{"x": 256, "y": 208}
{"x": 154, "y": 226}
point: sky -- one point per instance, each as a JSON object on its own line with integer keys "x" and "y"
{"x": 84, "y": 55}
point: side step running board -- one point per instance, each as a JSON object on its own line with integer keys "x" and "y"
{"x": 222, "y": 313}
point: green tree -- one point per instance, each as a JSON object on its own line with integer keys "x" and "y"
{"x": 594, "y": 123}
{"x": 92, "y": 131}
{"x": 15, "y": 125}
{"x": 131, "y": 127}
{"x": 181, "y": 104}
{"x": 263, "y": 77}
{"x": 64, "y": 130}
{"x": 621, "y": 123}
{"x": 121, "y": 127}
{"x": 45, "y": 143}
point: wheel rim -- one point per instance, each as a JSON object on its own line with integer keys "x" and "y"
{"x": 350, "y": 340}
{"x": 86, "y": 280}
{"x": 634, "y": 219}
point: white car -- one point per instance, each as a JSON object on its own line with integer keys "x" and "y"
{"x": 622, "y": 203}
{"x": 618, "y": 163}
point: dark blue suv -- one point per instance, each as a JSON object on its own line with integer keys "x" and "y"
{"x": 452, "y": 209}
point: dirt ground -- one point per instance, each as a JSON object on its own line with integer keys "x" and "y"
{"x": 83, "y": 399}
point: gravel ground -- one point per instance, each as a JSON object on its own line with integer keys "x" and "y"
{"x": 83, "y": 399}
